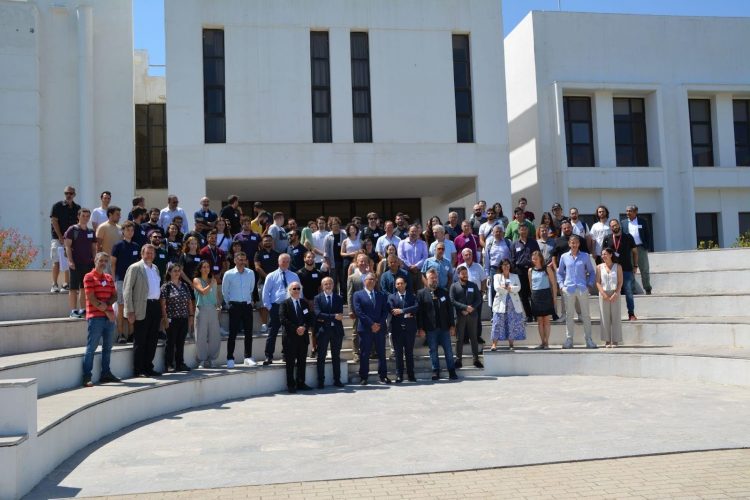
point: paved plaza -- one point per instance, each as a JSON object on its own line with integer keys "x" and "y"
{"x": 270, "y": 445}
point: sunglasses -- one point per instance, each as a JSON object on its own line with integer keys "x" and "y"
{"x": 67, "y": 193}
{"x": 296, "y": 288}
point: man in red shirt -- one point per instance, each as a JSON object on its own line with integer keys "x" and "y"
{"x": 100, "y": 295}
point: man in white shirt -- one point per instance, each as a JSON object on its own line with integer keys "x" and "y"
{"x": 479, "y": 278}
{"x": 319, "y": 241}
{"x": 599, "y": 231}
{"x": 99, "y": 215}
{"x": 637, "y": 227}
{"x": 172, "y": 210}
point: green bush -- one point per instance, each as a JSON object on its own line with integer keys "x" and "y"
{"x": 743, "y": 240}
{"x": 707, "y": 245}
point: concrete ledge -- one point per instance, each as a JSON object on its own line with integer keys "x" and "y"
{"x": 698, "y": 282}
{"x": 721, "y": 259}
{"x": 103, "y": 410}
{"x": 26, "y": 280}
{"x": 621, "y": 363}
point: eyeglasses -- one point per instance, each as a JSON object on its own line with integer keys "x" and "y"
{"x": 296, "y": 288}
{"x": 68, "y": 193}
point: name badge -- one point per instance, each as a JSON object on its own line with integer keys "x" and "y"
{"x": 196, "y": 259}
{"x": 295, "y": 251}
{"x": 89, "y": 236}
{"x": 470, "y": 289}
{"x": 518, "y": 249}
{"x": 216, "y": 268}
{"x": 266, "y": 256}
{"x": 617, "y": 254}
{"x": 376, "y": 235}
{"x": 143, "y": 233}
{"x": 253, "y": 238}
{"x": 442, "y": 299}
{"x": 304, "y": 311}
{"x": 314, "y": 275}
{"x": 135, "y": 253}
{"x": 236, "y": 215}
{"x": 338, "y": 244}
{"x": 162, "y": 256}
{"x": 104, "y": 283}
{"x": 333, "y": 324}
{"x": 205, "y": 214}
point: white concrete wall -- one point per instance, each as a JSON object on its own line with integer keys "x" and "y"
{"x": 269, "y": 130}
{"x": 67, "y": 102}
{"x": 553, "y": 54}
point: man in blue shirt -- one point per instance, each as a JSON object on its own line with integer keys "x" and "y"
{"x": 388, "y": 278}
{"x": 575, "y": 275}
{"x": 237, "y": 287}
{"x": 205, "y": 219}
{"x": 440, "y": 264}
{"x": 274, "y": 293}
{"x": 124, "y": 253}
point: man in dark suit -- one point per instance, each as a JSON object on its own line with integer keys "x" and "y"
{"x": 329, "y": 311}
{"x": 435, "y": 318}
{"x": 467, "y": 299}
{"x": 371, "y": 309}
{"x": 297, "y": 320}
{"x": 637, "y": 227}
{"x": 403, "y": 307}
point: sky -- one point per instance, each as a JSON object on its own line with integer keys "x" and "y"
{"x": 148, "y": 16}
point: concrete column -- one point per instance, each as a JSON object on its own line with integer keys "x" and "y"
{"x": 341, "y": 85}
{"x": 87, "y": 191}
{"x": 604, "y": 130}
{"x": 18, "y": 410}
{"x": 723, "y": 131}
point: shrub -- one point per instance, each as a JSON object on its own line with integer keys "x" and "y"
{"x": 707, "y": 245}
{"x": 743, "y": 240}
{"x": 17, "y": 251}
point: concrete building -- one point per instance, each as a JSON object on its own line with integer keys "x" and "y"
{"x": 66, "y": 94}
{"x": 619, "y": 109}
{"x": 337, "y": 106}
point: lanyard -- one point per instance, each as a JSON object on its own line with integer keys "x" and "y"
{"x": 617, "y": 242}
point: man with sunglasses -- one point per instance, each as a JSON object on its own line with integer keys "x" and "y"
{"x": 63, "y": 215}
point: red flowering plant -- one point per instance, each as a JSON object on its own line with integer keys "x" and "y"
{"x": 17, "y": 251}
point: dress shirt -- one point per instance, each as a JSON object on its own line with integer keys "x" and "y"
{"x": 450, "y": 249}
{"x": 384, "y": 241}
{"x": 166, "y": 216}
{"x": 575, "y": 273}
{"x": 495, "y": 252}
{"x": 476, "y": 274}
{"x": 154, "y": 282}
{"x": 634, "y": 229}
{"x": 412, "y": 254}
{"x": 443, "y": 268}
{"x": 274, "y": 289}
{"x": 238, "y": 286}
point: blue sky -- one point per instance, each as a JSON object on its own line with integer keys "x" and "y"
{"x": 148, "y": 15}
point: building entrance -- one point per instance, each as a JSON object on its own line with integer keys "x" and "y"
{"x": 306, "y": 210}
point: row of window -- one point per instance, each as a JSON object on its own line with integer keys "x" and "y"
{"x": 214, "y": 105}
{"x": 707, "y": 226}
{"x": 630, "y": 131}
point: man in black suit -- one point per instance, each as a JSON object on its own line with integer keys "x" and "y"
{"x": 637, "y": 227}
{"x": 329, "y": 311}
{"x": 467, "y": 298}
{"x": 403, "y": 307}
{"x": 371, "y": 309}
{"x": 297, "y": 320}
{"x": 435, "y": 318}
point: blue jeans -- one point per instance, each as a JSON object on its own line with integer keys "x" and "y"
{"x": 98, "y": 328}
{"x": 442, "y": 338}
{"x": 627, "y": 286}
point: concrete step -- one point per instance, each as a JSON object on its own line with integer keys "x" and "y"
{"x": 26, "y": 280}
{"x": 33, "y": 305}
{"x": 699, "y": 260}
{"x": 708, "y": 281}
{"x": 61, "y": 369}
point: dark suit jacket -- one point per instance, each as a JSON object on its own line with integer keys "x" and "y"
{"x": 462, "y": 296}
{"x": 368, "y": 312}
{"x": 427, "y": 316}
{"x": 325, "y": 317}
{"x": 644, "y": 232}
{"x": 400, "y": 323}
{"x": 290, "y": 320}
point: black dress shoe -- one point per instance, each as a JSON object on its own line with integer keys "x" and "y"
{"x": 291, "y": 389}
{"x": 108, "y": 378}
{"x": 321, "y": 385}
{"x": 459, "y": 364}
{"x": 363, "y": 381}
{"x": 385, "y": 380}
{"x": 153, "y": 373}
{"x": 338, "y": 383}
{"x": 267, "y": 362}
{"x": 412, "y": 378}
{"x": 399, "y": 380}
{"x": 183, "y": 368}
{"x": 478, "y": 364}
{"x": 480, "y": 340}
{"x": 452, "y": 375}
{"x": 303, "y": 387}
{"x": 435, "y": 375}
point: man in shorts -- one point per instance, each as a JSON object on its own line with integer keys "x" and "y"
{"x": 80, "y": 249}
{"x": 63, "y": 215}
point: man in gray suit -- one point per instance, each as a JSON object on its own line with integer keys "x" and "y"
{"x": 141, "y": 292}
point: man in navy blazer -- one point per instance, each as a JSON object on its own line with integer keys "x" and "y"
{"x": 403, "y": 308}
{"x": 329, "y": 311}
{"x": 371, "y": 309}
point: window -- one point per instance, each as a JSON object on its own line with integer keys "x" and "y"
{"x": 744, "y": 220}
{"x": 214, "y": 117}
{"x": 579, "y": 131}
{"x": 701, "y": 137}
{"x": 361, "y": 87}
{"x": 150, "y": 146}
{"x": 707, "y": 227}
{"x": 462, "y": 87}
{"x": 321, "y": 86}
{"x": 742, "y": 131}
{"x": 630, "y": 132}
{"x": 304, "y": 210}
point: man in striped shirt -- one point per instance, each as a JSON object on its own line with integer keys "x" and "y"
{"x": 100, "y": 295}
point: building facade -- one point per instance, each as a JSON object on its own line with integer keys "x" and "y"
{"x": 336, "y": 106}
{"x": 617, "y": 109}
{"x": 66, "y": 94}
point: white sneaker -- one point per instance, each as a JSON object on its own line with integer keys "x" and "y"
{"x": 250, "y": 362}
{"x": 568, "y": 344}
{"x": 200, "y": 365}
{"x": 263, "y": 328}
{"x": 55, "y": 288}
{"x": 230, "y": 363}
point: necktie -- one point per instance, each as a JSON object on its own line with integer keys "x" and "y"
{"x": 328, "y": 299}
{"x": 372, "y": 297}
{"x": 283, "y": 277}
{"x": 402, "y": 298}
{"x": 297, "y": 308}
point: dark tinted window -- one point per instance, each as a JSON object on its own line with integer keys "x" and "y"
{"x": 321, "y": 86}
{"x": 701, "y": 137}
{"x": 462, "y": 87}
{"x": 579, "y": 134}
{"x": 150, "y": 146}
{"x": 707, "y": 227}
{"x": 214, "y": 117}
{"x": 742, "y": 131}
{"x": 362, "y": 121}
{"x": 630, "y": 132}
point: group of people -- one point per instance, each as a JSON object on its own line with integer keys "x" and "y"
{"x": 155, "y": 273}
